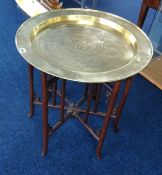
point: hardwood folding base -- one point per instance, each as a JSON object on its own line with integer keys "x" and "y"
{"x": 69, "y": 110}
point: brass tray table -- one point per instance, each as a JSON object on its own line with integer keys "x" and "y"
{"x": 87, "y": 46}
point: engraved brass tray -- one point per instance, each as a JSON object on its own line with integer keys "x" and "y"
{"x": 84, "y": 45}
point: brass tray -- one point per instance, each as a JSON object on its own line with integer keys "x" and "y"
{"x": 84, "y": 45}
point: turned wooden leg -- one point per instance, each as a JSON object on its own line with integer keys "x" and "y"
{"x": 143, "y": 14}
{"x": 110, "y": 108}
{"x": 122, "y": 103}
{"x": 31, "y": 90}
{"x": 44, "y": 113}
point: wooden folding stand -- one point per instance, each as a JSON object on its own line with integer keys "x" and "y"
{"x": 68, "y": 110}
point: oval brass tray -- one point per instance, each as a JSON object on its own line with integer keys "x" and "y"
{"x": 84, "y": 45}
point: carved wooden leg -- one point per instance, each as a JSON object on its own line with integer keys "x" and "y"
{"x": 63, "y": 88}
{"x": 122, "y": 103}
{"x": 90, "y": 96}
{"x": 142, "y": 15}
{"x": 110, "y": 108}
{"x": 86, "y": 90}
{"x": 98, "y": 93}
{"x": 31, "y": 90}
{"x": 44, "y": 113}
{"x": 54, "y": 92}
